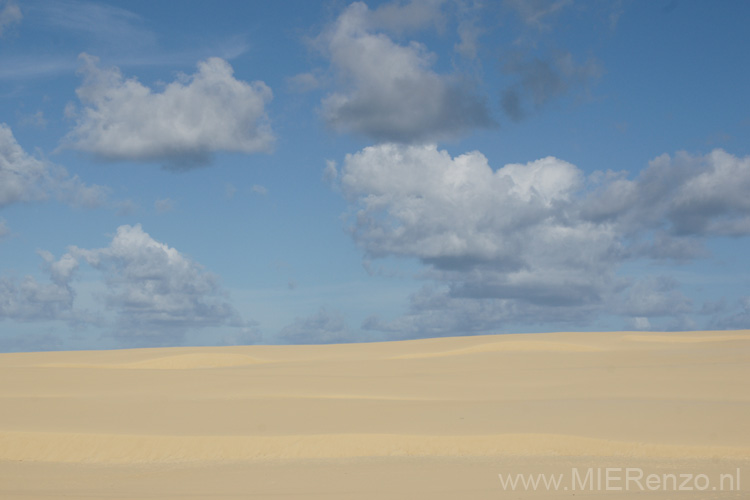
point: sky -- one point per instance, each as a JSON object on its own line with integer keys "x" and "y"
{"x": 298, "y": 172}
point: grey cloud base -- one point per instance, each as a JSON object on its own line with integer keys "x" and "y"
{"x": 388, "y": 91}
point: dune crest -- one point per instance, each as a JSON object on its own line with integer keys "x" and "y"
{"x": 507, "y": 346}
{"x": 683, "y": 339}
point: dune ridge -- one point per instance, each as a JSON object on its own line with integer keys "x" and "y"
{"x": 677, "y": 339}
{"x": 505, "y": 346}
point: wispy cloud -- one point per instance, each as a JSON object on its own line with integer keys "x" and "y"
{"x": 24, "y": 178}
{"x": 535, "y": 12}
{"x": 10, "y": 14}
{"x": 105, "y": 24}
{"x": 69, "y": 27}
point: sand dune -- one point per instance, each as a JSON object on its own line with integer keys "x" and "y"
{"x": 176, "y": 362}
{"x": 440, "y": 405}
{"x": 129, "y": 449}
{"x": 510, "y": 346}
{"x": 686, "y": 339}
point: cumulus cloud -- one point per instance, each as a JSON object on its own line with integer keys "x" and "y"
{"x": 679, "y": 200}
{"x": 182, "y": 126}
{"x": 31, "y": 300}
{"x": 389, "y": 91}
{"x": 418, "y": 200}
{"x": 539, "y": 241}
{"x": 157, "y": 292}
{"x": 323, "y": 327}
{"x": 24, "y": 178}
{"x": 10, "y": 14}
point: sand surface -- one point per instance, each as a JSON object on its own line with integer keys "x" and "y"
{"x": 436, "y": 418}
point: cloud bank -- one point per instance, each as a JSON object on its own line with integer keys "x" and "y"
{"x": 539, "y": 242}
{"x": 181, "y": 127}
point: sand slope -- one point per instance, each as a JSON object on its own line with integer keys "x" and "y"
{"x": 586, "y": 397}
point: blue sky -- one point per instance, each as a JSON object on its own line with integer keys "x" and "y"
{"x": 312, "y": 172}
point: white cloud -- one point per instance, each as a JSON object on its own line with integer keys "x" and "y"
{"x": 389, "y": 91}
{"x": 158, "y": 295}
{"x": 10, "y": 14}
{"x": 680, "y": 200}
{"x": 418, "y": 201}
{"x": 537, "y": 242}
{"x": 157, "y": 292}
{"x": 31, "y": 300}
{"x": 181, "y": 126}
{"x": 24, "y": 178}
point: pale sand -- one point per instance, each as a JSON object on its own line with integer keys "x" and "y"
{"x": 436, "y": 418}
